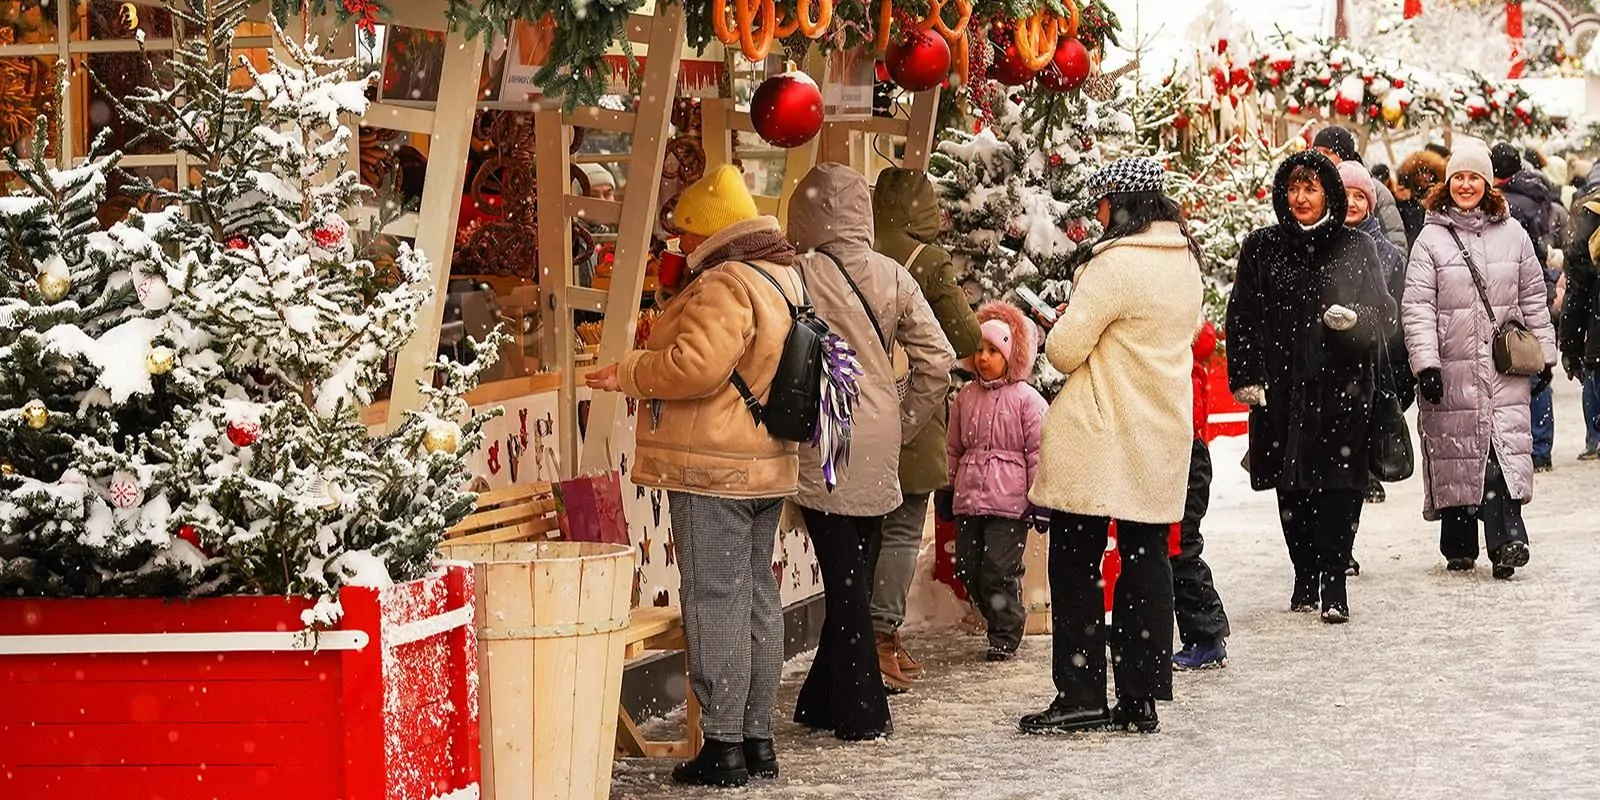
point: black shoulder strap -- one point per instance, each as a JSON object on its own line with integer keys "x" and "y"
{"x": 1477, "y": 280}
{"x": 752, "y": 402}
{"x": 871, "y": 317}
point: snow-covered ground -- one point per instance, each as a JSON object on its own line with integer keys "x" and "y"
{"x": 1444, "y": 685}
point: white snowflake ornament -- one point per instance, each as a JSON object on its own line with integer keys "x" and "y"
{"x": 154, "y": 293}
{"x": 125, "y": 490}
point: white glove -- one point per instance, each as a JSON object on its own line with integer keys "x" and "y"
{"x": 1252, "y": 395}
{"x": 1339, "y": 318}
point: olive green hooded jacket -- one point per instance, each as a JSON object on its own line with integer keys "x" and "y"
{"x": 905, "y": 211}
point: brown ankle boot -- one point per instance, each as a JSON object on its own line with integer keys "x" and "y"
{"x": 888, "y": 664}
{"x": 909, "y": 667}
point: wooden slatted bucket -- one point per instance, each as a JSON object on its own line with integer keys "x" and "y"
{"x": 552, "y": 625}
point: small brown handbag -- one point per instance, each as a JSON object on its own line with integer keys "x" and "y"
{"x": 1516, "y": 350}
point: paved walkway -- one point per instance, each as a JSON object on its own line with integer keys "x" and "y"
{"x": 1443, "y": 686}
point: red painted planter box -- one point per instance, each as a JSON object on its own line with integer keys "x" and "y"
{"x": 231, "y": 697}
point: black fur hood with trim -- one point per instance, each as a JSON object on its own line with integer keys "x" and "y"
{"x": 1332, "y": 188}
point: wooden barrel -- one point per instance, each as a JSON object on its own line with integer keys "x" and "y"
{"x": 552, "y": 625}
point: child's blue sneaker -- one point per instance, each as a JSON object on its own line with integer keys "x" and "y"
{"x": 1211, "y": 655}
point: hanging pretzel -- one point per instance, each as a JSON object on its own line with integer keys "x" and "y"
{"x": 1071, "y": 31}
{"x": 756, "y": 42}
{"x": 935, "y": 19}
{"x": 885, "y": 22}
{"x": 1036, "y": 38}
{"x": 813, "y": 26}
{"x": 725, "y": 33}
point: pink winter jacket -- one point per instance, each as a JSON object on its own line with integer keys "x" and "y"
{"x": 994, "y": 448}
{"x": 1447, "y": 329}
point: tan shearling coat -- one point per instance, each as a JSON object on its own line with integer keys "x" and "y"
{"x": 694, "y": 433}
{"x": 1116, "y": 439}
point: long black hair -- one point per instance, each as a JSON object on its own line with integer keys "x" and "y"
{"x": 1132, "y": 213}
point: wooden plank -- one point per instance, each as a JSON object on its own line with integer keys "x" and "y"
{"x": 175, "y": 702}
{"x": 441, "y": 204}
{"x": 604, "y": 119}
{"x": 594, "y": 209}
{"x": 633, "y": 240}
{"x": 596, "y": 589}
{"x": 508, "y": 666}
{"x": 124, "y": 782}
{"x": 164, "y": 743}
{"x": 509, "y": 494}
{"x": 716, "y": 131}
{"x": 921, "y": 129}
{"x": 555, "y": 271}
{"x": 616, "y": 644}
{"x": 648, "y": 622}
{"x": 639, "y": 32}
{"x": 410, "y": 119}
{"x": 555, "y": 670}
{"x": 485, "y": 395}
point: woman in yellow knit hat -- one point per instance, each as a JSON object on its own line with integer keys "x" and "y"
{"x": 725, "y": 476}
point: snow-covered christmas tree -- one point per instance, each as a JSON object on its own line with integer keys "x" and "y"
{"x": 1014, "y": 189}
{"x": 180, "y": 394}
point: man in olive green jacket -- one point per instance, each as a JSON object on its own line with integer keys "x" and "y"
{"x": 906, "y": 214}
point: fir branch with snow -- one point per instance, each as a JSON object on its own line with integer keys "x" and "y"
{"x": 203, "y": 430}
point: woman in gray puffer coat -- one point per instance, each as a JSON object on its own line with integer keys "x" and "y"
{"x": 1477, "y": 440}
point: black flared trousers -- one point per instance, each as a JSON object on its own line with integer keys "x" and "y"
{"x": 1141, "y": 623}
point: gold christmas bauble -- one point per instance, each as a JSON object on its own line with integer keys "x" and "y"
{"x": 7, "y": 469}
{"x": 53, "y": 287}
{"x": 161, "y": 360}
{"x": 442, "y": 437}
{"x": 1297, "y": 144}
{"x": 36, "y": 415}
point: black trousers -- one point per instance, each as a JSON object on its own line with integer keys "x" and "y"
{"x": 843, "y": 692}
{"x": 1141, "y": 624}
{"x": 989, "y": 563}
{"x": 1501, "y": 515}
{"x": 1201, "y": 618}
{"x": 1319, "y": 526}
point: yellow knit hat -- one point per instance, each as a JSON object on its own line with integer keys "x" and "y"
{"x": 714, "y": 202}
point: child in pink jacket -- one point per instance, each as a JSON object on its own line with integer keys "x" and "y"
{"x": 994, "y": 453}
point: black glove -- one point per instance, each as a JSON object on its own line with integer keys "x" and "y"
{"x": 1430, "y": 384}
{"x": 1541, "y": 382}
{"x": 1575, "y": 368}
{"x": 1038, "y": 517}
{"x": 944, "y": 504}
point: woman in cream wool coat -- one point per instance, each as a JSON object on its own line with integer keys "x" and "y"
{"x": 1114, "y": 448}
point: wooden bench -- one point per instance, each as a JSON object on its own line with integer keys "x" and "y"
{"x": 521, "y": 513}
{"x": 651, "y": 630}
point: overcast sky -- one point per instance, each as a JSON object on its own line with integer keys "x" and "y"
{"x": 1164, "y": 24}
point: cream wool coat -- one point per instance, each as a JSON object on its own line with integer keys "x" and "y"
{"x": 1116, "y": 440}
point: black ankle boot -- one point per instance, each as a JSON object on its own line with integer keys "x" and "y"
{"x": 1335, "y": 602}
{"x": 1138, "y": 714}
{"x": 1064, "y": 718}
{"x": 1304, "y": 599}
{"x": 760, "y": 759}
{"x": 719, "y": 764}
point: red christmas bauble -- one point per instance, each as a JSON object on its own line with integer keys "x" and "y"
{"x": 1241, "y": 77}
{"x": 237, "y": 244}
{"x": 1346, "y": 105}
{"x": 1181, "y": 122}
{"x": 1007, "y": 67}
{"x": 1283, "y": 64}
{"x": 1069, "y": 70}
{"x": 786, "y": 110}
{"x": 1077, "y": 233}
{"x": 1261, "y": 193}
{"x": 1373, "y": 110}
{"x": 1398, "y": 83}
{"x": 1055, "y": 159}
{"x": 243, "y": 433}
{"x": 919, "y": 63}
{"x": 190, "y": 535}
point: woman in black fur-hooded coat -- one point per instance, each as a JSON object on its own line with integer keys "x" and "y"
{"x": 1306, "y": 321}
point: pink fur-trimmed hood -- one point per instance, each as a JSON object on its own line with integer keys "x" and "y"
{"x": 1024, "y": 338}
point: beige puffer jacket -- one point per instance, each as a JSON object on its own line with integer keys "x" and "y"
{"x": 831, "y": 215}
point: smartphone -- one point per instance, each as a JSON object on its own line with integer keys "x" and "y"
{"x": 1037, "y": 303}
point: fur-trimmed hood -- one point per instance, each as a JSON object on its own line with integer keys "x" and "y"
{"x": 1024, "y": 338}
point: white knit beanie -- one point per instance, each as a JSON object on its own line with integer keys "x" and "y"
{"x": 1471, "y": 155}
